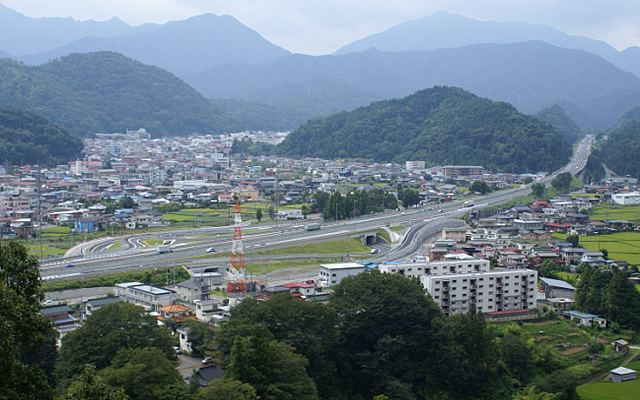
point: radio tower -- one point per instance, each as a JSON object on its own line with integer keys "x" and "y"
{"x": 236, "y": 272}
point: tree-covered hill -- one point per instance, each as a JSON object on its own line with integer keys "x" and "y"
{"x": 443, "y": 125}
{"x": 621, "y": 152}
{"x": 556, "y": 117}
{"x": 27, "y": 138}
{"x": 107, "y": 92}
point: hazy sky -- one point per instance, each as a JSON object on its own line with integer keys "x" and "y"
{"x": 322, "y": 26}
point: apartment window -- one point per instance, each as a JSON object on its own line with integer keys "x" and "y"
{"x": 333, "y": 274}
{"x": 437, "y": 289}
{"x": 436, "y": 297}
{"x": 490, "y": 285}
{"x": 490, "y": 293}
{"x": 453, "y": 295}
{"x": 464, "y": 288}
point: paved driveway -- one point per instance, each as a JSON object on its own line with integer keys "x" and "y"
{"x": 186, "y": 364}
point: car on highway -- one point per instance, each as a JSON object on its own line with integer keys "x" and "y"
{"x": 211, "y": 250}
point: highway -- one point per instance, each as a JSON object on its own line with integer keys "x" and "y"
{"x": 422, "y": 223}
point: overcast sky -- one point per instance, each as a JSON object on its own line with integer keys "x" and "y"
{"x": 322, "y": 26}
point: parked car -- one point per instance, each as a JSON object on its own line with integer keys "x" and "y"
{"x": 177, "y": 350}
{"x": 207, "y": 360}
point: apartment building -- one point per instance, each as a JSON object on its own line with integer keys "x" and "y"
{"x": 490, "y": 291}
{"x": 465, "y": 264}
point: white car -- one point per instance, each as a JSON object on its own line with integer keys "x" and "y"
{"x": 211, "y": 250}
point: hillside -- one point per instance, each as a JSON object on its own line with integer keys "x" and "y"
{"x": 107, "y": 92}
{"x": 529, "y": 75}
{"x": 443, "y": 125}
{"x": 27, "y": 138}
{"x": 444, "y": 30}
{"x": 556, "y": 117}
{"x": 620, "y": 151}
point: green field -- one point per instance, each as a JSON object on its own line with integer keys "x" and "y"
{"x": 615, "y": 212}
{"x": 608, "y": 390}
{"x": 623, "y": 246}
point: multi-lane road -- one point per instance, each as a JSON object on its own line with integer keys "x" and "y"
{"x": 422, "y": 223}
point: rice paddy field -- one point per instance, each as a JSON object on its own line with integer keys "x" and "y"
{"x": 615, "y": 212}
{"x": 623, "y": 246}
{"x": 607, "y": 390}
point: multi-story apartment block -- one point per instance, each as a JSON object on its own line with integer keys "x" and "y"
{"x": 457, "y": 284}
{"x": 410, "y": 270}
{"x": 490, "y": 291}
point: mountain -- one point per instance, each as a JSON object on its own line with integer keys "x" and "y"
{"x": 529, "y": 75}
{"x": 444, "y": 30}
{"x": 21, "y": 35}
{"x": 181, "y": 47}
{"x": 442, "y": 125}
{"x": 556, "y": 117}
{"x": 107, "y": 92}
{"x": 27, "y": 138}
{"x": 620, "y": 151}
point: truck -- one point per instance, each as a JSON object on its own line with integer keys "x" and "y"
{"x": 468, "y": 203}
{"x": 164, "y": 248}
{"x": 312, "y": 226}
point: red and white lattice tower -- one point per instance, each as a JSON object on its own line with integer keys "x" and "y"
{"x": 236, "y": 272}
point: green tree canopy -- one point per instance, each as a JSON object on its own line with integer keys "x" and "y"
{"x": 480, "y": 187}
{"x": 145, "y": 374}
{"x": 111, "y": 328}
{"x": 89, "y": 386}
{"x": 227, "y": 389}
{"x": 390, "y": 331}
{"x": 272, "y": 368}
{"x": 23, "y": 329}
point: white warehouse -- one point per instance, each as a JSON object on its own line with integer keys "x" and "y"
{"x": 626, "y": 198}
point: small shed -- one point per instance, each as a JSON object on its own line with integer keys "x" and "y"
{"x": 622, "y": 374}
{"x": 621, "y": 346}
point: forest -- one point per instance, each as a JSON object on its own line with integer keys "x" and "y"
{"x": 27, "y": 138}
{"x": 442, "y": 125}
{"x": 108, "y": 92}
{"x": 620, "y": 151}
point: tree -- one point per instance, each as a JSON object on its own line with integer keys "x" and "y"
{"x": 548, "y": 269}
{"x": 272, "y": 368}
{"x": 127, "y": 202}
{"x": 227, "y": 389}
{"x": 562, "y": 182}
{"x": 111, "y": 328}
{"x": 517, "y": 356}
{"x": 89, "y": 386}
{"x": 320, "y": 199}
{"x": 480, "y": 187}
{"x": 375, "y": 352}
{"x": 537, "y": 189}
{"x": 259, "y": 214}
{"x": 24, "y": 330}
{"x": 145, "y": 374}
{"x": 573, "y": 239}
{"x": 622, "y": 301}
{"x": 308, "y": 327}
{"x": 527, "y": 180}
{"x": 410, "y": 198}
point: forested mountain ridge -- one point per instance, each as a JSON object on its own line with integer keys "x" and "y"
{"x": 107, "y": 92}
{"x": 556, "y": 117}
{"x": 621, "y": 151}
{"x": 27, "y": 138}
{"x": 443, "y": 125}
{"x": 529, "y": 75}
{"x": 444, "y": 30}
